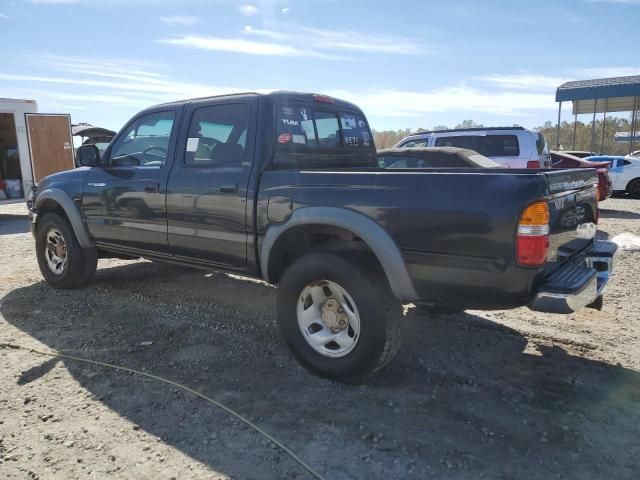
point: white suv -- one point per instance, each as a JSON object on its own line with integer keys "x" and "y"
{"x": 511, "y": 147}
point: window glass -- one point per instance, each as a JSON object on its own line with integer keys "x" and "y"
{"x": 626, "y": 162}
{"x": 355, "y": 132}
{"x": 489, "y": 145}
{"x": 145, "y": 143}
{"x": 328, "y": 130}
{"x": 416, "y": 143}
{"x": 540, "y": 143}
{"x": 217, "y": 135}
{"x": 295, "y": 126}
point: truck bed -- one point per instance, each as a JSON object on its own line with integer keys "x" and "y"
{"x": 455, "y": 227}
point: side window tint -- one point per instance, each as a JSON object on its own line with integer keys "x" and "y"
{"x": 145, "y": 143}
{"x": 415, "y": 144}
{"x": 217, "y": 135}
{"x": 328, "y": 130}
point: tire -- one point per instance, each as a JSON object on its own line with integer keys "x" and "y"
{"x": 362, "y": 295}
{"x": 634, "y": 188}
{"x": 77, "y": 265}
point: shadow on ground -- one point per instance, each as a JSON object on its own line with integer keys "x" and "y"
{"x": 461, "y": 400}
{"x": 11, "y": 224}
{"x": 621, "y": 214}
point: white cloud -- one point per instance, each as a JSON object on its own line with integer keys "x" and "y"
{"x": 54, "y": 2}
{"x": 248, "y": 10}
{"x": 243, "y": 46}
{"x": 179, "y": 19}
{"x": 524, "y": 81}
{"x": 320, "y": 39}
{"x": 4, "y": 15}
{"x": 285, "y": 10}
{"x": 463, "y": 99}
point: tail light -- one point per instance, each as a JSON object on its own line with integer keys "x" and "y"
{"x": 532, "y": 240}
{"x": 323, "y": 99}
{"x": 533, "y": 164}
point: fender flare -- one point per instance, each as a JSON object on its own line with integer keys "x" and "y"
{"x": 377, "y": 239}
{"x": 72, "y": 212}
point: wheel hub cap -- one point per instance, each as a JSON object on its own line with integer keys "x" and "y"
{"x": 55, "y": 251}
{"x": 328, "y": 318}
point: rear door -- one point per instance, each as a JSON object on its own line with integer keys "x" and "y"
{"x": 50, "y": 143}
{"x": 208, "y": 186}
{"x": 124, "y": 200}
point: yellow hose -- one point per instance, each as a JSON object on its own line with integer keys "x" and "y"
{"x": 181, "y": 387}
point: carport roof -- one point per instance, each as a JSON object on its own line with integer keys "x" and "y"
{"x": 615, "y": 94}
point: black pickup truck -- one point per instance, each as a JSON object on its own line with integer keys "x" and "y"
{"x": 286, "y": 187}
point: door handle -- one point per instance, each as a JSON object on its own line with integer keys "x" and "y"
{"x": 229, "y": 188}
{"x": 152, "y": 187}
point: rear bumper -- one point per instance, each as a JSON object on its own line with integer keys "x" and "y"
{"x": 579, "y": 282}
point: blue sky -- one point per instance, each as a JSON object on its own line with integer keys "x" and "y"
{"x": 406, "y": 63}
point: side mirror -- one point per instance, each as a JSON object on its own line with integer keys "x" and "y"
{"x": 88, "y": 156}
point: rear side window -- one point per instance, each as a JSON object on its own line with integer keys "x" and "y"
{"x": 489, "y": 145}
{"x": 541, "y": 143}
{"x": 301, "y": 127}
{"x": 217, "y": 135}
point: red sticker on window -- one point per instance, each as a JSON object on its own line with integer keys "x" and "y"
{"x": 284, "y": 138}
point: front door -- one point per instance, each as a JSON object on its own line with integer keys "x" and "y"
{"x": 207, "y": 190}
{"x": 50, "y": 143}
{"x": 124, "y": 200}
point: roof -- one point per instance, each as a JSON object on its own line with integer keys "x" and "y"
{"x": 616, "y": 94}
{"x": 472, "y": 129}
{"x": 599, "y": 88}
{"x": 295, "y": 96}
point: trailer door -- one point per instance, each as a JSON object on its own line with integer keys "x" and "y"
{"x": 50, "y": 143}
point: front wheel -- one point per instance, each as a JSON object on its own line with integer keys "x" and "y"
{"x": 62, "y": 261}
{"x": 339, "y": 321}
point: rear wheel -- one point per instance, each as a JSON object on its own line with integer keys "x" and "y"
{"x": 340, "y": 320}
{"x": 634, "y": 188}
{"x": 62, "y": 261}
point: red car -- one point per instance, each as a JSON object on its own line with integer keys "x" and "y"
{"x": 564, "y": 160}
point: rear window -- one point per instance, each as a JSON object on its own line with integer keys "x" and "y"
{"x": 541, "y": 143}
{"x": 489, "y": 145}
{"x": 399, "y": 161}
{"x": 314, "y": 128}
{"x": 416, "y": 143}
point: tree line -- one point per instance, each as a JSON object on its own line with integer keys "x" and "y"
{"x": 388, "y": 138}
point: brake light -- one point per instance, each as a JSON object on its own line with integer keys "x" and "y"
{"x": 533, "y": 164}
{"x": 532, "y": 239}
{"x": 323, "y": 99}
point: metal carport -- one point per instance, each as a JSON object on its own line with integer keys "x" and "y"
{"x": 603, "y": 95}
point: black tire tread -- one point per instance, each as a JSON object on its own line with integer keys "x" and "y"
{"x": 82, "y": 263}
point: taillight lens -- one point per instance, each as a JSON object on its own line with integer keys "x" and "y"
{"x": 532, "y": 239}
{"x": 533, "y": 164}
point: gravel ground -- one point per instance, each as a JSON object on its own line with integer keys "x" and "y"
{"x": 500, "y": 395}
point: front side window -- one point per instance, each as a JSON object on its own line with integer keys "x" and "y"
{"x": 217, "y": 135}
{"x": 145, "y": 143}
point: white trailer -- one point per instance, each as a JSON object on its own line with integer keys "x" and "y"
{"x": 32, "y": 145}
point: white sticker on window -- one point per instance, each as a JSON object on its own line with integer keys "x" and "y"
{"x": 348, "y": 122}
{"x": 192, "y": 144}
{"x": 299, "y": 139}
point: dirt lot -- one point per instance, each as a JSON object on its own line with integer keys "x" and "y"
{"x": 507, "y": 395}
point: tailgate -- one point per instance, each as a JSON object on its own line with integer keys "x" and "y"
{"x": 573, "y": 211}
